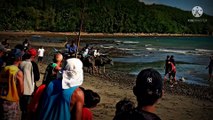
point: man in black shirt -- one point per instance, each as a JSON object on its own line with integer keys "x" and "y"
{"x": 148, "y": 90}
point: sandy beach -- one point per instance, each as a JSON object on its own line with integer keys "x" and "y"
{"x": 184, "y": 102}
{"x": 172, "y": 106}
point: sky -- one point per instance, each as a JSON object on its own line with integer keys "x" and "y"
{"x": 206, "y": 5}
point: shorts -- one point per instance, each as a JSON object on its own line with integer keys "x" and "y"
{"x": 9, "y": 110}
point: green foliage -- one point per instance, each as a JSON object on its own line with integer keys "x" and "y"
{"x": 106, "y": 16}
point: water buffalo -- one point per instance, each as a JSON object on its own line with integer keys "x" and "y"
{"x": 94, "y": 64}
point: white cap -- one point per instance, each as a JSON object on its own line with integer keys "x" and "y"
{"x": 72, "y": 74}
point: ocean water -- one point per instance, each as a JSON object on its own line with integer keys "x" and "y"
{"x": 190, "y": 53}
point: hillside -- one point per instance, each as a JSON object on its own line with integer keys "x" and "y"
{"x": 99, "y": 16}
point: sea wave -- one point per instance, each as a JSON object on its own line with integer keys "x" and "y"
{"x": 152, "y": 49}
{"x": 174, "y": 51}
{"x": 130, "y": 42}
{"x": 140, "y": 55}
{"x": 106, "y": 47}
{"x": 193, "y": 52}
{"x": 127, "y": 49}
{"x": 203, "y": 50}
{"x": 148, "y": 45}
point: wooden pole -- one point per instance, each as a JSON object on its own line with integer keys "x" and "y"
{"x": 79, "y": 32}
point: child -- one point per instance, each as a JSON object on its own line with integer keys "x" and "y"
{"x": 124, "y": 106}
{"x": 91, "y": 99}
{"x": 148, "y": 91}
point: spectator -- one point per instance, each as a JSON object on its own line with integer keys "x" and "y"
{"x": 5, "y": 44}
{"x": 40, "y": 54}
{"x": 63, "y": 99}
{"x": 96, "y": 53}
{"x": 72, "y": 48}
{"x": 11, "y": 88}
{"x": 85, "y": 51}
{"x": 210, "y": 66}
{"x": 33, "y": 53}
{"x": 53, "y": 68}
{"x": 20, "y": 47}
{"x": 29, "y": 84}
{"x": 166, "y": 67}
{"x": 26, "y": 44}
{"x": 172, "y": 74}
{"x": 2, "y": 52}
{"x": 148, "y": 91}
{"x": 91, "y": 99}
{"x": 171, "y": 59}
{"x": 124, "y": 106}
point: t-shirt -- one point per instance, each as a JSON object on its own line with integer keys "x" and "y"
{"x": 35, "y": 71}
{"x": 36, "y": 98}
{"x": 172, "y": 68}
{"x": 56, "y": 102}
{"x": 72, "y": 49}
{"x": 41, "y": 52}
{"x": 8, "y": 89}
{"x": 29, "y": 83}
{"x": 49, "y": 74}
{"x": 136, "y": 115}
{"x": 86, "y": 114}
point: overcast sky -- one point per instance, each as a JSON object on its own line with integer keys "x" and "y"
{"x": 207, "y": 5}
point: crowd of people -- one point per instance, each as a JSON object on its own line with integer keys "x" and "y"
{"x": 60, "y": 96}
{"x": 86, "y": 51}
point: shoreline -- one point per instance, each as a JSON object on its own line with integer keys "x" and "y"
{"x": 183, "y": 102}
{"x": 118, "y": 77}
{"x": 84, "y": 34}
{"x": 179, "y": 107}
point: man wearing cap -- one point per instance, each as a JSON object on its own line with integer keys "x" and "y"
{"x": 11, "y": 87}
{"x": 148, "y": 91}
{"x": 63, "y": 99}
{"x": 33, "y": 54}
{"x": 29, "y": 84}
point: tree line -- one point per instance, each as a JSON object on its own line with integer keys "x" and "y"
{"x": 105, "y": 16}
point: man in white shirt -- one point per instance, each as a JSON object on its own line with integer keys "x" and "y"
{"x": 96, "y": 53}
{"x": 40, "y": 54}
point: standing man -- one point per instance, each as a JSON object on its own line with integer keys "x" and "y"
{"x": 29, "y": 84}
{"x": 33, "y": 53}
{"x": 53, "y": 68}
{"x": 5, "y": 44}
{"x": 63, "y": 99}
{"x": 26, "y": 44}
{"x": 40, "y": 53}
{"x": 166, "y": 67}
{"x": 11, "y": 88}
{"x": 2, "y": 52}
{"x": 72, "y": 49}
{"x": 172, "y": 74}
{"x": 210, "y": 66}
{"x": 172, "y": 60}
{"x": 148, "y": 90}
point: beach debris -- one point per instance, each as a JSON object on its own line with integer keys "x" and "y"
{"x": 182, "y": 79}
